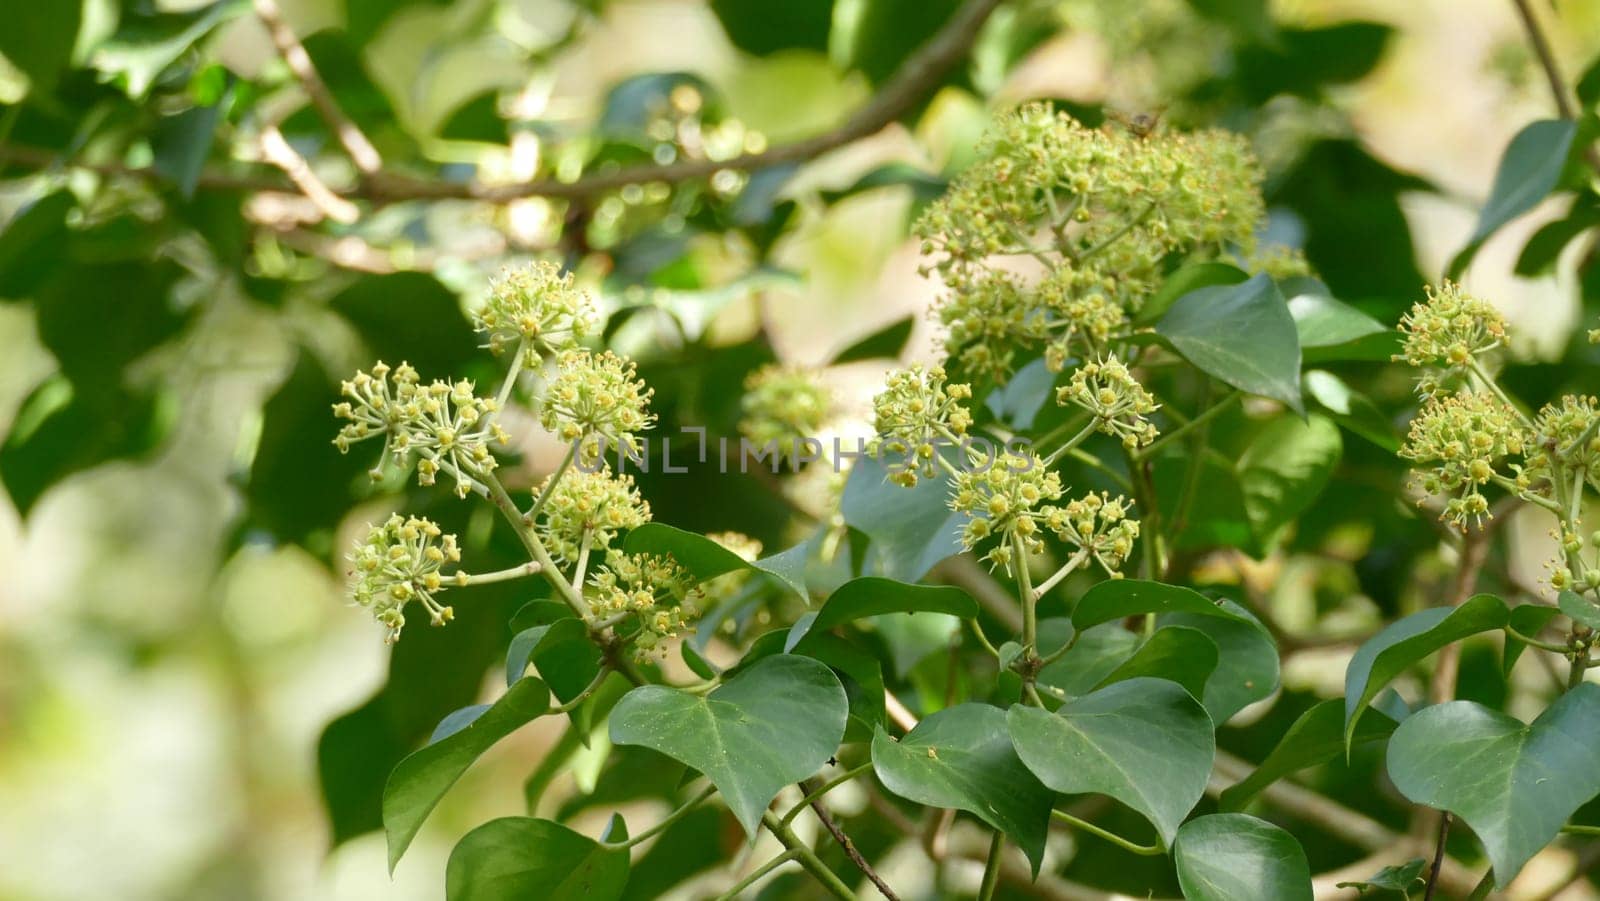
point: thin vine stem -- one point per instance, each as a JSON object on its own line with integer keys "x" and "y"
{"x": 1209, "y": 413}
{"x": 991, "y": 868}
{"x": 1112, "y": 837}
{"x": 823, "y": 790}
{"x": 501, "y": 575}
{"x": 755, "y": 875}
{"x": 682, "y": 811}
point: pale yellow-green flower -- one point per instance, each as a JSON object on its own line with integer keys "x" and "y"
{"x": 1119, "y": 404}
{"x": 662, "y": 594}
{"x": 1012, "y": 495}
{"x": 398, "y": 562}
{"x": 538, "y": 308}
{"x": 1459, "y": 443}
{"x": 597, "y": 504}
{"x": 598, "y": 402}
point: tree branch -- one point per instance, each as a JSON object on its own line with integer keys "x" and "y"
{"x": 849, "y": 847}
{"x": 350, "y": 137}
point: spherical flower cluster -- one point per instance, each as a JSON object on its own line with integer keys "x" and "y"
{"x": 596, "y": 401}
{"x": 915, "y": 409}
{"x": 661, "y": 593}
{"x": 444, "y": 424}
{"x": 399, "y": 562}
{"x": 1011, "y": 496}
{"x": 1445, "y": 332}
{"x": 597, "y": 504}
{"x": 537, "y": 308}
{"x": 987, "y": 318}
{"x": 1461, "y": 439}
{"x": 1118, "y": 402}
{"x": 1098, "y": 525}
{"x": 783, "y": 404}
{"x": 1085, "y": 310}
{"x": 1566, "y": 435}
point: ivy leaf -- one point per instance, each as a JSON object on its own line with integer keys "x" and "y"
{"x": 1237, "y": 857}
{"x": 1176, "y": 653}
{"x": 1351, "y": 409}
{"x": 419, "y": 781}
{"x": 1578, "y": 609}
{"x": 527, "y": 644}
{"x": 1316, "y": 737}
{"x": 1322, "y": 321}
{"x": 961, "y": 758}
{"x": 1528, "y": 171}
{"x": 1284, "y": 469}
{"x": 1247, "y": 659}
{"x": 1242, "y": 334}
{"x": 870, "y": 596}
{"x": 705, "y": 559}
{"x": 1098, "y": 653}
{"x": 1400, "y": 878}
{"x": 911, "y": 529}
{"x": 1145, "y": 742}
{"x": 521, "y": 857}
{"x": 1185, "y": 279}
{"x": 1523, "y": 781}
{"x": 1405, "y": 641}
{"x": 771, "y": 725}
{"x": 1116, "y": 599}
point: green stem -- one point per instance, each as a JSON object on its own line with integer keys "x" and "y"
{"x": 524, "y": 529}
{"x": 991, "y": 869}
{"x": 1073, "y": 442}
{"x": 503, "y": 575}
{"x": 1112, "y": 837}
{"x": 504, "y": 396}
{"x": 1536, "y": 643}
{"x": 756, "y": 874}
{"x": 550, "y": 487}
{"x": 1483, "y": 887}
{"x": 984, "y": 639}
{"x": 1206, "y": 416}
{"x": 1575, "y": 829}
{"x": 826, "y": 787}
{"x": 666, "y": 823}
{"x": 808, "y": 858}
{"x": 1030, "y": 623}
{"x": 1066, "y": 569}
{"x": 588, "y": 690}
{"x": 1476, "y": 368}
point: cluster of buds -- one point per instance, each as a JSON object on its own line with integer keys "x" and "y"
{"x": 593, "y": 506}
{"x": 1566, "y": 437}
{"x": 596, "y": 401}
{"x": 1014, "y": 496}
{"x": 1084, "y": 312}
{"x": 1115, "y": 398}
{"x": 1097, "y": 525}
{"x": 444, "y": 424}
{"x": 662, "y": 594}
{"x": 1462, "y": 439}
{"x": 1444, "y": 334}
{"x": 783, "y": 405}
{"x": 535, "y": 308}
{"x": 399, "y": 562}
{"x": 1108, "y": 206}
{"x": 1568, "y": 571}
{"x": 916, "y": 409}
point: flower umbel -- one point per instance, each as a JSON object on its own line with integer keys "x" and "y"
{"x": 596, "y": 400}
{"x": 399, "y": 562}
{"x": 1116, "y": 399}
{"x": 1461, "y": 439}
{"x": 1099, "y": 526}
{"x": 1010, "y": 496}
{"x": 661, "y": 593}
{"x": 596, "y": 504}
{"x": 916, "y": 409}
{"x": 1445, "y": 332}
{"x": 538, "y": 308}
{"x": 444, "y": 424}
{"x": 377, "y": 405}
{"x": 783, "y": 404}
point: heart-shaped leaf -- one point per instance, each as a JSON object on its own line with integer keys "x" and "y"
{"x": 1175, "y": 653}
{"x": 1237, "y": 857}
{"x": 773, "y": 724}
{"x": 871, "y": 596}
{"x": 1242, "y": 334}
{"x": 1284, "y": 469}
{"x": 911, "y": 529}
{"x": 1514, "y": 784}
{"x": 1247, "y": 659}
{"x": 961, "y": 758}
{"x": 521, "y": 857}
{"x": 418, "y": 782}
{"x": 1405, "y": 641}
{"x": 1096, "y": 655}
{"x": 1145, "y": 742}
{"x": 1316, "y": 737}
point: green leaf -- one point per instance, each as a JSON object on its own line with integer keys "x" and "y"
{"x": 521, "y": 857}
{"x": 1528, "y": 171}
{"x": 1145, "y": 742}
{"x": 1321, "y": 321}
{"x": 1247, "y": 659}
{"x": 1116, "y": 599}
{"x": 1544, "y": 247}
{"x": 961, "y": 758}
{"x": 870, "y": 596}
{"x": 759, "y": 27}
{"x": 1176, "y": 653}
{"x": 772, "y": 724}
{"x": 417, "y": 784}
{"x": 1400, "y": 878}
{"x": 1098, "y": 653}
{"x": 527, "y": 644}
{"x": 1515, "y": 785}
{"x": 1351, "y": 409}
{"x": 1237, "y": 857}
{"x": 883, "y": 344}
{"x": 911, "y": 529}
{"x": 1316, "y": 737}
{"x": 1405, "y": 641}
{"x": 1529, "y": 620}
{"x": 1242, "y": 334}
{"x": 38, "y": 39}
{"x": 1284, "y": 469}
{"x": 32, "y": 242}
{"x": 182, "y": 142}
{"x": 145, "y": 45}
{"x": 1578, "y": 609}
{"x": 705, "y": 559}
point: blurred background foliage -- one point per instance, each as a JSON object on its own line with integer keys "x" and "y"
{"x": 198, "y": 243}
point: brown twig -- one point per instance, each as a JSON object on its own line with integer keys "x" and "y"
{"x": 849, "y": 847}
{"x": 1552, "y": 71}
{"x": 355, "y": 143}
{"x": 276, "y": 150}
